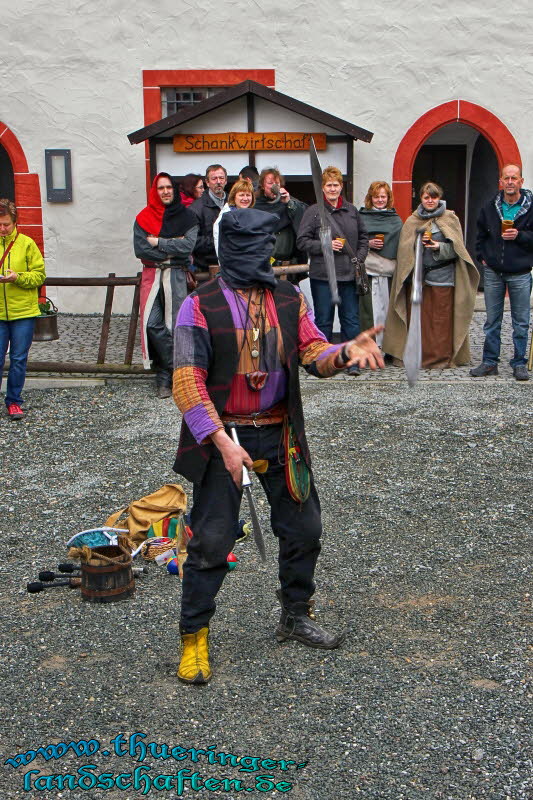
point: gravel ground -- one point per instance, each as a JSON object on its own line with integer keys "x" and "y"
{"x": 425, "y": 562}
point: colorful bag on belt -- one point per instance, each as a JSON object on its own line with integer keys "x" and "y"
{"x": 297, "y": 475}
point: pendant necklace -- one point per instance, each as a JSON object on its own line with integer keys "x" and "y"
{"x": 257, "y": 379}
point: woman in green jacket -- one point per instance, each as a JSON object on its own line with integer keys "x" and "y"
{"x": 21, "y": 274}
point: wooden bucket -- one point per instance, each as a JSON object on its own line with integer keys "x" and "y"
{"x": 107, "y": 576}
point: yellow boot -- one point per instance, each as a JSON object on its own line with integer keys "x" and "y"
{"x": 194, "y": 665}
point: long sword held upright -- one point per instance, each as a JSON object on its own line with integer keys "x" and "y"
{"x": 325, "y": 227}
{"x": 412, "y": 355}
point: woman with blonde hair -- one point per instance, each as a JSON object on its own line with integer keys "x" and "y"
{"x": 450, "y": 281}
{"x": 383, "y": 225}
{"x": 241, "y": 196}
{"x": 347, "y": 226}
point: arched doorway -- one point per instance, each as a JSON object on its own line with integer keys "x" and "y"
{"x": 7, "y": 178}
{"x": 478, "y": 141}
{"x": 21, "y": 186}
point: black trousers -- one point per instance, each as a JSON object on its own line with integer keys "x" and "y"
{"x": 214, "y": 522}
{"x": 160, "y": 342}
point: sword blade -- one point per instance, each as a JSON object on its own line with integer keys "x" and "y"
{"x": 412, "y": 354}
{"x": 246, "y": 484}
{"x": 258, "y": 535}
{"x": 325, "y": 227}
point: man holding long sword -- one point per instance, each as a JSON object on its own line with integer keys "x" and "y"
{"x": 239, "y": 341}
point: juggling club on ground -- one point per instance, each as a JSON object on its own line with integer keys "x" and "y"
{"x": 38, "y": 586}
{"x": 66, "y": 567}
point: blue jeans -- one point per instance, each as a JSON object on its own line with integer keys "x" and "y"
{"x": 18, "y": 334}
{"x": 519, "y": 287}
{"x": 325, "y": 311}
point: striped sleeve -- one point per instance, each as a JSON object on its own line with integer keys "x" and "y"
{"x": 317, "y": 355}
{"x": 192, "y": 355}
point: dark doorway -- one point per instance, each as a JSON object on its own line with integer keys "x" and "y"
{"x": 7, "y": 179}
{"x": 444, "y": 164}
{"x": 484, "y": 175}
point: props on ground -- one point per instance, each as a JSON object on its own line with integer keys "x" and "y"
{"x": 37, "y": 586}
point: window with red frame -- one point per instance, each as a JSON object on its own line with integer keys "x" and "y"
{"x": 174, "y": 98}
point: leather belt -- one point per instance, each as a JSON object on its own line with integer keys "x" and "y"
{"x": 273, "y": 416}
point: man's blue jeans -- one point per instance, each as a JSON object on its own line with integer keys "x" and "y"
{"x": 325, "y": 311}
{"x": 519, "y": 287}
{"x": 18, "y": 334}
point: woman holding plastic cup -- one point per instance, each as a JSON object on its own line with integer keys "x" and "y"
{"x": 346, "y": 227}
{"x": 383, "y": 225}
{"x": 450, "y": 281}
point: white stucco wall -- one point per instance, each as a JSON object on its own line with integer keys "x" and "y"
{"x": 75, "y": 81}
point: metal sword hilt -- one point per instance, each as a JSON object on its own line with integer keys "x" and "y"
{"x": 246, "y": 481}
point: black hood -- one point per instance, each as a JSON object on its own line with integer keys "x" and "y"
{"x": 246, "y": 242}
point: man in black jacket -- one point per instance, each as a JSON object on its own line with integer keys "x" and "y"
{"x": 207, "y": 208}
{"x": 504, "y": 246}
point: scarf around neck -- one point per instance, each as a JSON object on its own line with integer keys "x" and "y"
{"x": 385, "y": 221}
{"x": 425, "y": 214}
{"x": 168, "y": 221}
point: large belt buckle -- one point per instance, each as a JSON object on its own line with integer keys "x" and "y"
{"x": 254, "y": 418}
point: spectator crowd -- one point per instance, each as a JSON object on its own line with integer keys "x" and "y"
{"x": 178, "y": 232}
{"x": 374, "y": 235}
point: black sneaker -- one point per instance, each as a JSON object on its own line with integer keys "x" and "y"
{"x": 520, "y": 372}
{"x": 483, "y": 370}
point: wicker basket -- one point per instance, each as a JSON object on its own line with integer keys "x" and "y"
{"x": 154, "y": 547}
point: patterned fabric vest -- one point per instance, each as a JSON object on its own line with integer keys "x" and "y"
{"x": 192, "y": 458}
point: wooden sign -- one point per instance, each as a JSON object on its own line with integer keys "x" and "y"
{"x": 235, "y": 142}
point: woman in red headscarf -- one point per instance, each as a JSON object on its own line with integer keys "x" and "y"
{"x": 164, "y": 235}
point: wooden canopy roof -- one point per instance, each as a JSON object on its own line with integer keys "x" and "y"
{"x": 168, "y": 126}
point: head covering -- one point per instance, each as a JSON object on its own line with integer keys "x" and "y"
{"x": 245, "y": 246}
{"x": 168, "y": 221}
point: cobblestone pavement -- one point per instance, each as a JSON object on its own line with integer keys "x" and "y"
{"x": 80, "y": 337}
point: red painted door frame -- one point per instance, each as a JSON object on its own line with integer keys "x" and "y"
{"x": 477, "y": 117}
{"x": 27, "y": 189}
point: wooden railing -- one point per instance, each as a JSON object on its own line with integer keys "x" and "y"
{"x": 111, "y": 282}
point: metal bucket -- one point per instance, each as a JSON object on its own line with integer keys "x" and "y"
{"x": 45, "y": 329}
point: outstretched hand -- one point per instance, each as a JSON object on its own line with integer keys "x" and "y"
{"x": 364, "y": 351}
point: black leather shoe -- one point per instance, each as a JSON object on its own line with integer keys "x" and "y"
{"x": 354, "y": 370}
{"x": 306, "y": 631}
{"x": 483, "y": 370}
{"x": 520, "y": 372}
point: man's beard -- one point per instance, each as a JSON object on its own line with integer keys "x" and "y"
{"x": 218, "y": 191}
